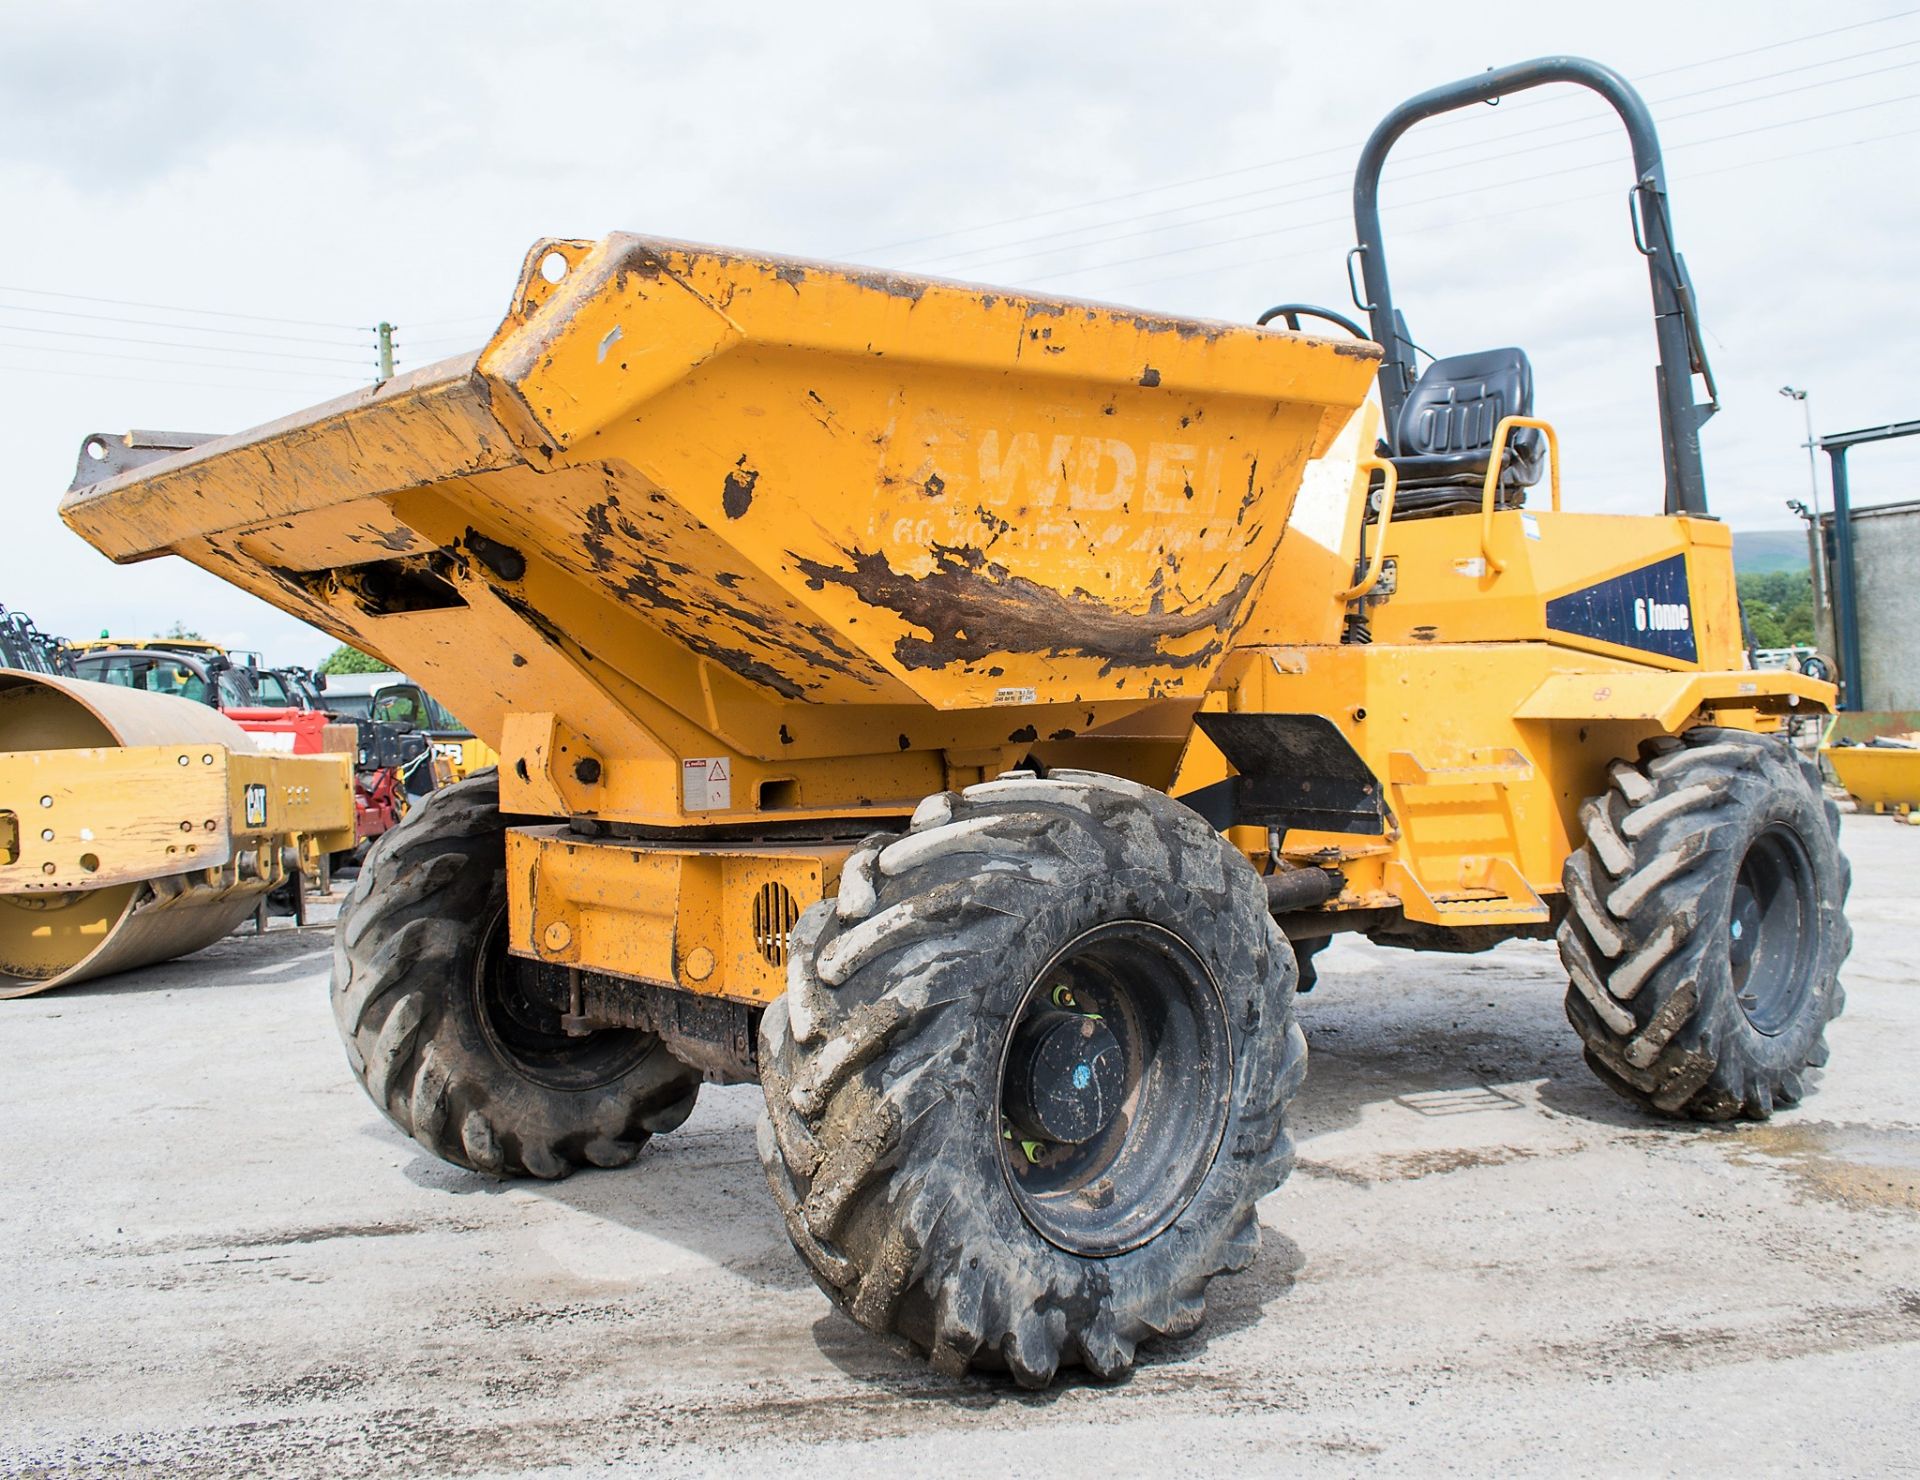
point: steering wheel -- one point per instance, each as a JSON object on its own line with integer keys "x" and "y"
{"x": 1291, "y": 312}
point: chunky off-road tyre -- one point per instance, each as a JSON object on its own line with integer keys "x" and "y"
{"x": 1706, "y": 926}
{"x": 1030, "y": 1075}
{"x": 436, "y": 1027}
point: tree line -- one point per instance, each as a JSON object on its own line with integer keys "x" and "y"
{"x": 1779, "y": 607}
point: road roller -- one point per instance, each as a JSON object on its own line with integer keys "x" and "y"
{"x": 137, "y": 827}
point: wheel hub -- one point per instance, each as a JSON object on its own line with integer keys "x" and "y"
{"x": 1115, "y": 1088}
{"x": 1771, "y": 930}
{"x": 524, "y": 1030}
{"x": 1065, "y": 1078}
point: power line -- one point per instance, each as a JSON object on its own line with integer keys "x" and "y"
{"x": 107, "y": 318}
{"x": 1345, "y": 176}
{"x": 1403, "y": 176}
{"x": 213, "y": 313}
{"x": 225, "y": 349}
{"x": 1343, "y": 148}
{"x": 446, "y": 323}
{"x": 1427, "y": 200}
{"x": 1530, "y": 208}
{"x": 146, "y": 380}
{"x": 459, "y": 339}
{"x": 54, "y": 349}
{"x": 1754, "y": 51}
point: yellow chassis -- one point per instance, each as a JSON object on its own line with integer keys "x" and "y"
{"x": 1482, "y": 751}
{"x": 1479, "y": 834}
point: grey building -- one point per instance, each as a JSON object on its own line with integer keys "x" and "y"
{"x": 1886, "y": 560}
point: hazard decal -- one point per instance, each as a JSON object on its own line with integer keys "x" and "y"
{"x": 706, "y": 784}
{"x": 1650, "y": 609}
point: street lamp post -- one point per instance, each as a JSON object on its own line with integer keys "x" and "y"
{"x": 1813, "y": 487}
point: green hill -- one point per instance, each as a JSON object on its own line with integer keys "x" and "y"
{"x": 1758, "y": 551}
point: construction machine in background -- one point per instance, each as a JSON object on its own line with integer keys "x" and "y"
{"x": 959, "y": 709}
{"x": 455, "y": 746}
{"x": 25, "y": 647}
{"x": 350, "y": 695}
{"x": 136, "y": 827}
{"x": 277, "y": 707}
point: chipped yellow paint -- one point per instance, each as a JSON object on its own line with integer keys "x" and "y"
{"x": 806, "y": 520}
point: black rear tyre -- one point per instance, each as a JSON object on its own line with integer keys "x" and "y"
{"x": 1706, "y": 927}
{"x": 1030, "y": 1075}
{"x": 442, "y": 1034}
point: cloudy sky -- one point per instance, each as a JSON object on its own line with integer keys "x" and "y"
{"x": 208, "y": 204}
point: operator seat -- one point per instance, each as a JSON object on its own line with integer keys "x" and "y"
{"x": 1444, "y": 434}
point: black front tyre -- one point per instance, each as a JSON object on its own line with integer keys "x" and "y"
{"x": 439, "y": 1025}
{"x": 1030, "y": 1075}
{"x": 1706, "y": 926}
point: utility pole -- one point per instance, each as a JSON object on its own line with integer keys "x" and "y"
{"x": 1813, "y": 488}
{"x": 385, "y": 332}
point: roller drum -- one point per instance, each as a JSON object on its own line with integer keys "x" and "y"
{"x": 56, "y": 939}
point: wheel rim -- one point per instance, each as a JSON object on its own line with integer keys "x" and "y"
{"x": 524, "y": 1030}
{"x": 1771, "y": 930}
{"x": 1114, "y": 1087}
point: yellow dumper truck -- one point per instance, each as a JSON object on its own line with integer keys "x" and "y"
{"x": 960, "y": 710}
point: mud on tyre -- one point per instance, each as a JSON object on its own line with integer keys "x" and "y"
{"x": 441, "y": 1032}
{"x": 1030, "y": 1075}
{"x": 1705, "y": 927}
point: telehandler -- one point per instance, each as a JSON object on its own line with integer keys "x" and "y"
{"x": 958, "y": 709}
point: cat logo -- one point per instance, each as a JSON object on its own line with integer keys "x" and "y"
{"x": 256, "y": 804}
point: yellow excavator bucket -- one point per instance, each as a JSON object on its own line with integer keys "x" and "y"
{"x": 731, "y": 485}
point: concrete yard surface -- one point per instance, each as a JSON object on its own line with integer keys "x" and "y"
{"x": 216, "y": 1258}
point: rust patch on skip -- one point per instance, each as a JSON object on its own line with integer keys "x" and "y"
{"x": 793, "y": 273}
{"x": 780, "y": 651}
{"x": 736, "y": 497}
{"x": 971, "y": 606}
{"x": 599, "y": 531}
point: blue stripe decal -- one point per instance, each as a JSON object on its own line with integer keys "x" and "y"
{"x": 1649, "y": 608}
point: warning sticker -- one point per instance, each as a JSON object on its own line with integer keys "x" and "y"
{"x": 706, "y": 784}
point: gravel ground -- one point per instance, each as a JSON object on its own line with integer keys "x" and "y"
{"x": 220, "y": 1260}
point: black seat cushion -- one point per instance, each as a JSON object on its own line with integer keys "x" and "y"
{"x": 1445, "y": 430}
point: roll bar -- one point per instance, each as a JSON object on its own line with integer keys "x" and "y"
{"x": 1676, "y": 318}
